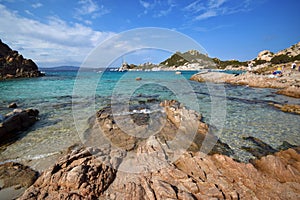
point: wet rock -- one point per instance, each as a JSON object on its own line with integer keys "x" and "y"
{"x": 18, "y": 120}
{"x": 13, "y": 105}
{"x": 260, "y": 148}
{"x": 288, "y": 108}
{"x": 285, "y": 145}
{"x": 292, "y": 91}
{"x": 16, "y": 175}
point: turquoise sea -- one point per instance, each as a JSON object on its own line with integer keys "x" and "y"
{"x": 248, "y": 110}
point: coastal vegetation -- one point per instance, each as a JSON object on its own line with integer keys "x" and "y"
{"x": 223, "y": 64}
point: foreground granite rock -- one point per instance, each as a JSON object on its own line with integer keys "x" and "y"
{"x": 81, "y": 174}
{"x": 16, "y": 121}
{"x": 139, "y": 166}
{"x": 93, "y": 174}
{"x": 288, "y": 84}
{"x": 13, "y": 65}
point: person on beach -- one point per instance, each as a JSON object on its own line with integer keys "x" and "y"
{"x": 278, "y": 72}
{"x": 294, "y": 66}
{"x": 250, "y": 65}
{"x": 279, "y": 69}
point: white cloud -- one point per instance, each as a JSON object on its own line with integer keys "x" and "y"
{"x": 158, "y": 8}
{"x": 87, "y": 7}
{"x": 201, "y": 10}
{"x": 216, "y": 3}
{"x": 208, "y": 14}
{"x": 195, "y": 7}
{"x": 90, "y": 8}
{"x": 145, "y": 4}
{"x": 37, "y": 5}
{"x": 53, "y": 43}
{"x": 28, "y": 12}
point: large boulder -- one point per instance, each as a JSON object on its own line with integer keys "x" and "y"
{"x": 16, "y": 121}
{"x": 13, "y": 65}
{"x": 265, "y": 55}
{"x": 81, "y": 174}
{"x": 171, "y": 122}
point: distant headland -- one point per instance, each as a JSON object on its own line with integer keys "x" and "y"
{"x": 14, "y": 65}
{"x": 194, "y": 60}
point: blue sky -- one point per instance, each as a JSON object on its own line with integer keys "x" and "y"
{"x": 61, "y": 32}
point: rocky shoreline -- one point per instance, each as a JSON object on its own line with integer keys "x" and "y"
{"x": 14, "y": 65}
{"x": 155, "y": 165}
{"x": 93, "y": 173}
{"x": 288, "y": 84}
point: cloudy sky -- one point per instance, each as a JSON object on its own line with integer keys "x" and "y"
{"x": 63, "y": 32}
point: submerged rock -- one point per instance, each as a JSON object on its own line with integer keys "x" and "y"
{"x": 288, "y": 108}
{"x": 17, "y": 175}
{"x": 15, "y": 178}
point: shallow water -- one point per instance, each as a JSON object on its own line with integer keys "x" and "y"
{"x": 246, "y": 110}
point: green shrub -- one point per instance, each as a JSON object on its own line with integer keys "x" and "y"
{"x": 175, "y": 59}
{"x": 296, "y": 57}
{"x": 280, "y": 59}
{"x": 259, "y": 62}
{"x": 223, "y": 64}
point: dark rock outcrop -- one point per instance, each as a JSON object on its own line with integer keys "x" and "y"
{"x": 13, "y": 65}
{"x": 16, "y": 121}
{"x": 12, "y": 105}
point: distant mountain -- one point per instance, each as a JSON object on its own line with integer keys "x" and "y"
{"x": 189, "y": 57}
{"x": 14, "y": 65}
{"x": 73, "y": 68}
{"x": 190, "y": 60}
{"x": 61, "y": 68}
